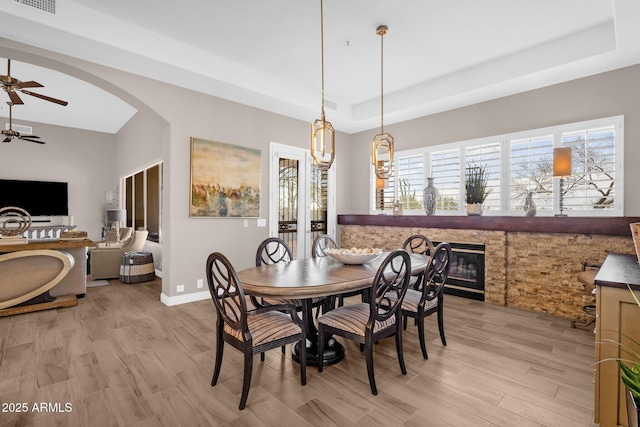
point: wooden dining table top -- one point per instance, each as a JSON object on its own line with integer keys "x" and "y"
{"x": 314, "y": 277}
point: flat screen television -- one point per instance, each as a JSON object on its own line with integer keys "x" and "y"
{"x": 39, "y": 198}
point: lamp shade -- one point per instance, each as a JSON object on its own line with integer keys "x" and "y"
{"x": 116, "y": 215}
{"x": 562, "y": 161}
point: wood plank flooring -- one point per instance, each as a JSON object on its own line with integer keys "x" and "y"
{"x": 122, "y": 358}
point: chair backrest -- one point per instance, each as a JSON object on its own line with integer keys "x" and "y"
{"x": 418, "y": 244}
{"x": 321, "y": 244}
{"x": 136, "y": 244}
{"x": 436, "y": 272}
{"x": 272, "y": 251}
{"x": 389, "y": 286}
{"x": 227, "y": 293}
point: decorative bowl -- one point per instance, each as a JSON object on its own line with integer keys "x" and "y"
{"x": 360, "y": 256}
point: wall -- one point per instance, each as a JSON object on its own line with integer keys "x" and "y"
{"x": 603, "y": 95}
{"x": 179, "y": 114}
{"x": 84, "y": 159}
{"x": 140, "y": 144}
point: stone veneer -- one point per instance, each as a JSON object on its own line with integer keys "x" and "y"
{"x": 532, "y": 271}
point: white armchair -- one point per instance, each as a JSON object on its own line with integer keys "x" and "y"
{"x": 105, "y": 262}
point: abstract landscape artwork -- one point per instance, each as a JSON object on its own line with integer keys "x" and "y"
{"x": 225, "y": 180}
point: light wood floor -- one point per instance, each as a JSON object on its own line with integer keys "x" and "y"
{"x": 122, "y": 358}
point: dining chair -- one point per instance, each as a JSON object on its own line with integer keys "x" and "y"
{"x": 320, "y": 247}
{"x": 273, "y": 250}
{"x": 321, "y": 244}
{"x": 367, "y": 323}
{"x": 418, "y": 244}
{"x": 250, "y": 331}
{"x": 428, "y": 297}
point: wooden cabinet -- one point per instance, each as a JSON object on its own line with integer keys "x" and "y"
{"x": 618, "y": 320}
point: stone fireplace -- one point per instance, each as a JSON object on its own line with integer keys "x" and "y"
{"x": 532, "y": 270}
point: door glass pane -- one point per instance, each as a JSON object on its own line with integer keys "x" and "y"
{"x": 138, "y": 194}
{"x": 154, "y": 180}
{"x": 318, "y": 203}
{"x": 128, "y": 189}
{"x": 288, "y": 202}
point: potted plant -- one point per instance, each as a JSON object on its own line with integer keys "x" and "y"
{"x": 475, "y": 185}
{"x": 629, "y": 372}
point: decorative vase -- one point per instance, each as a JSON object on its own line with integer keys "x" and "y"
{"x": 474, "y": 209}
{"x": 397, "y": 208}
{"x": 430, "y": 197}
{"x": 530, "y": 205}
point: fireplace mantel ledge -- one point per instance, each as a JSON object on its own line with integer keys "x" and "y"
{"x": 611, "y": 226}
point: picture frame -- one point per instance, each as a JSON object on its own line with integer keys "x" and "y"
{"x": 225, "y": 180}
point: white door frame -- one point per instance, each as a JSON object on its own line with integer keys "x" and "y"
{"x": 278, "y": 151}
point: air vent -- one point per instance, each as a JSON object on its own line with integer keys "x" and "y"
{"x": 46, "y": 5}
{"x": 23, "y": 130}
{"x": 330, "y": 104}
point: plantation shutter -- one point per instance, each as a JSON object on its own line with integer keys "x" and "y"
{"x": 531, "y": 171}
{"x": 445, "y": 170}
{"x": 488, "y": 156}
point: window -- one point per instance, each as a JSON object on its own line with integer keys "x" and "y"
{"x": 143, "y": 201}
{"x": 518, "y": 164}
{"x": 531, "y": 171}
{"x": 445, "y": 170}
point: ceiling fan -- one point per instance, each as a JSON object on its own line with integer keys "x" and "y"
{"x": 12, "y": 86}
{"x": 10, "y": 133}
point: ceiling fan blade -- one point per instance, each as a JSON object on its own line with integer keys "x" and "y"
{"x": 24, "y": 138}
{"x": 30, "y": 83}
{"x": 7, "y": 139}
{"x": 15, "y": 99}
{"x": 46, "y": 98}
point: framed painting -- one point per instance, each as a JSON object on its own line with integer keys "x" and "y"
{"x": 225, "y": 180}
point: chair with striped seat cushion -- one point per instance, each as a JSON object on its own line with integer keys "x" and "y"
{"x": 274, "y": 250}
{"x": 250, "y": 331}
{"x": 428, "y": 297}
{"x": 418, "y": 244}
{"x": 367, "y": 323}
{"x": 320, "y": 247}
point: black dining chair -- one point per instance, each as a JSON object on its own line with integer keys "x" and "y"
{"x": 418, "y": 244}
{"x": 272, "y": 251}
{"x": 367, "y": 323}
{"x": 250, "y": 331}
{"x": 427, "y": 298}
{"x": 321, "y": 244}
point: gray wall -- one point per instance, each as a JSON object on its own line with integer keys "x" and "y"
{"x": 84, "y": 159}
{"x": 604, "y": 95}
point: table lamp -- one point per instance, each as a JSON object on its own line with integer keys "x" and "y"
{"x": 562, "y": 168}
{"x": 116, "y": 216}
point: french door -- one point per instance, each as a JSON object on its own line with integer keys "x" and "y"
{"x": 301, "y": 199}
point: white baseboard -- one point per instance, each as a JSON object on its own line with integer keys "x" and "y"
{"x": 184, "y": 299}
{"x": 158, "y": 273}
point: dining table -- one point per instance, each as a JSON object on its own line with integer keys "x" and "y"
{"x": 309, "y": 278}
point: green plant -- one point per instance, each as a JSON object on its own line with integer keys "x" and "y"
{"x": 475, "y": 184}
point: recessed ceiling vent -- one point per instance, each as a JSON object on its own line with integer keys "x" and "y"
{"x": 46, "y": 5}
{"x": 23, "y": 130}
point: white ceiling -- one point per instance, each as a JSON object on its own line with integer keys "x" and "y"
{"x": 438, "y": 54}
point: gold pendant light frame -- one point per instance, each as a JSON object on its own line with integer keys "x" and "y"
{"x": 322, "y": 133}
{"x": 382, "y": 144}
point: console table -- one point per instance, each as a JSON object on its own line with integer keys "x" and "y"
{"x": 66, "y": 291}
{"x": 618, "y": 317}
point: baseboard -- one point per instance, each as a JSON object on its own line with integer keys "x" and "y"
{"x": 158, "y": 273}
{"x": 184, "y": 299}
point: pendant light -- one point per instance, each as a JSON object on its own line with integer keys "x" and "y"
{"x": 382, "y": 143}
{"x": 322, "y": 132}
